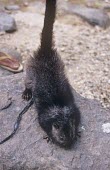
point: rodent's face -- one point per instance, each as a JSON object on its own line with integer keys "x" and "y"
{"x": 59, "y": 124}
{"x": 63, "y": 132}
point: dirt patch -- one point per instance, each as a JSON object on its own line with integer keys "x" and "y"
{"x": 84, "y": 49}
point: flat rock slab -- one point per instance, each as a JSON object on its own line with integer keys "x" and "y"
{"x": 5, "y": 101}
{"x": 91, "y": 15}
{"x": 7, "y": 23}
{"x": 27, "y": 150}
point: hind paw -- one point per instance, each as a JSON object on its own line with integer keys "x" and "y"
{"x": 27, "y": 94}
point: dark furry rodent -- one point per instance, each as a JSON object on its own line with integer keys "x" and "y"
{"x": 46, "y": 82}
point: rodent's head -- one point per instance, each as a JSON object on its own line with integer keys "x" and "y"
{"x": 59, "y": 123}
{"x": 62, "y": 133}
{"x": 63, "y": 127}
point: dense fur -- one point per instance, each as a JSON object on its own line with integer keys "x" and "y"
{"x": 52, "y": 93}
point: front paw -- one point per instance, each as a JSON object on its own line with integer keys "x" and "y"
{"x": 48, "y": 139}
{"x": 27, "y": 94}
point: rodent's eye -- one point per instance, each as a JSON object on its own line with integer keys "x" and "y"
{"x": 56, "y": 125}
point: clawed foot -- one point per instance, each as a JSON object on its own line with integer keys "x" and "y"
{"x": 27, "y": 94}
{"x": 47, "y": 138}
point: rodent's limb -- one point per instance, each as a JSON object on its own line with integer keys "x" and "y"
{"x": 29, "y": 80}
{"x": 27, "y": 94}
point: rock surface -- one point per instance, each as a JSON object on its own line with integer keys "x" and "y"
{"x": 91, "y": 15}
{"x": 5, "y": 97}
{"x": 7, "y": 23}
{"x": 27, "y": 150}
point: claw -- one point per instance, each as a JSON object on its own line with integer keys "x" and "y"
{"x": 27, "y": 94}
{"x": 47, "y": 138}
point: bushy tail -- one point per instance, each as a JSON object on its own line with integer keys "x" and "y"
{"x": 47, "y": 32}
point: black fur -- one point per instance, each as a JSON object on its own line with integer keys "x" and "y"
{"x": 46, "y": 82}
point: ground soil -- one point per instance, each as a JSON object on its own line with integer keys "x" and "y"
{"x": 84, "y": 49}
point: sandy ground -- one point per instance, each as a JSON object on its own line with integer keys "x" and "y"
{"x": 84, "y": 49}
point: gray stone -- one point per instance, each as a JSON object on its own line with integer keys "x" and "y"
{"x": 7, "y": 23}
{"x": 12, "y": 7}
{"x": 107, "y": 8}
{"x": 91, "y": 15}
{"x": 27, "y": 150}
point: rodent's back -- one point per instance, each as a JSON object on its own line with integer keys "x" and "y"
{"x": 50, "y": 80}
